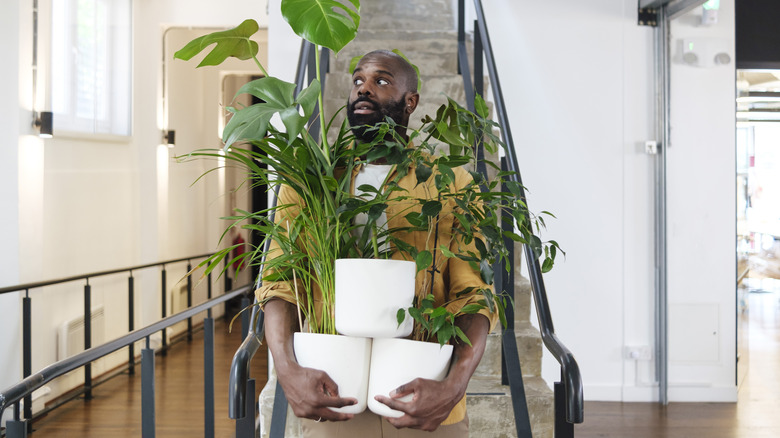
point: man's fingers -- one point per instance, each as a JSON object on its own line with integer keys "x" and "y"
{"x": 405, "y": 389}
{"x": 338, "y": 402}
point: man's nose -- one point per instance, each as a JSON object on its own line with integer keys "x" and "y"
{"x": 364, "y": 89}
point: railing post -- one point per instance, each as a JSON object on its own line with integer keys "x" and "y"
{"x": 245, "y": 427}
{"x": 563, "y": 429}
{"x": 131, "y": 322}
{"x": 208, "y": 375}
{"x": 479, "y": 74}
{"x": 147, "y": 392}
{"x": 189, "y": 300}
{"x": 164, "y": 309}
{"x": 27, "y": 350}
{"x": 461, "y": 26}
{"x": 16, "y": 428}
{"x": 87, "y": 339}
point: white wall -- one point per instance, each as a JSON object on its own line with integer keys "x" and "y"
{"x": 11, "y": 127}
{"x": 578, "y": 77}
{"x": 78, "y": 205}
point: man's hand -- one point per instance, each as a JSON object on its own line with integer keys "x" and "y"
{"x": 433, "y": 401}
{"x": 310, "y": 392}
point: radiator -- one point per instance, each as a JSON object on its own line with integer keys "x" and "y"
{"x": 71, "y": 333}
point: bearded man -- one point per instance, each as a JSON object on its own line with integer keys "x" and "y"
{"x": 384, "y": 85}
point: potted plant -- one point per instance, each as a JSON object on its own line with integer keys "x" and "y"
{"x": 313, "y": 224}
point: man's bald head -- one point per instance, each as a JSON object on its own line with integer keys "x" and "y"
{"x": 407, "y": 71}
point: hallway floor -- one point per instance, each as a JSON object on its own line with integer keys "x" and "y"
{"x": 755, "y": 415}
{"x": 115, "y": 410}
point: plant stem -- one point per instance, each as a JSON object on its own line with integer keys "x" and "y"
{"x": 260, "y": 66}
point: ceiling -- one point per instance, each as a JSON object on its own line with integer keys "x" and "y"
{"x": 758, "y": 95}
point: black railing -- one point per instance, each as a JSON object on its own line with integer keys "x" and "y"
{"x": 568, "y": 393}
{"x": 27, "y": 309}
{"x": 16, "y": 428}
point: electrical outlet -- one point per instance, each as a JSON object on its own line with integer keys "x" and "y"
{"x": 637, "y": 352}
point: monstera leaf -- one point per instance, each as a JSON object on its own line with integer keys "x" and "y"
{"x": 277, "y": 96}
{"x": 233, "y": 42}
{"x": 328, "y": 23}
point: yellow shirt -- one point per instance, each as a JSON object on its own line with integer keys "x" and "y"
{"x": 453, "y": 276}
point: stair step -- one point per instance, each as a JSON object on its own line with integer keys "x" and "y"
{"x": 529, "y": 347}
{"x": 490, "y": 408}
{"x": 431, "y": 51}
{"x": 434, "y": 87}
{"x": 406, "y": 15}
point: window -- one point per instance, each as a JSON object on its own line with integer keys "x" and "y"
{"x": 91, "y": 66}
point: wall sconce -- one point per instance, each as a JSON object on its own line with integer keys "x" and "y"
{"x": 44, "y": 123}
{"x": 169, "y": 138}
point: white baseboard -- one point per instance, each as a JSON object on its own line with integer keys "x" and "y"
{"x": 630, "y": 394}
{"x": 703, "y": 394}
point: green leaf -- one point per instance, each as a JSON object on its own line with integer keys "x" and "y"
{"x": 232, "y": 42}
{"x": 423, "y": 260}
{"x": 481, "y": 106}
{"x": 327, "y": 23}
{"x": 445, "y": 334}
{"x": 416, "y": 219}
{"x": 486, "y": 272}
{"x": 251, "y": 123}
{"x": 422, "y": 172}
{"x": 354, "y": 62}
{"x": 446, "y": 251}
{"x": 431, "y": 208}
{"x": 462, "y": 336}
{"x": 400, "y": 316}
{"x": 375, "y": 211}
{"x": 547, "y": 265}
{"x": 471, "y": 308}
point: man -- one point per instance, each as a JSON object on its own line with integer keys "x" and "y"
{"x": 384, "y": 84}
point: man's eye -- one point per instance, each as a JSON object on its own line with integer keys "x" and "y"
{"x": 358, "y": 81}
{"x": 382, "y": 82}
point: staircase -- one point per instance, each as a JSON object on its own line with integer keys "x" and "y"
{"x": 425, "y": 32}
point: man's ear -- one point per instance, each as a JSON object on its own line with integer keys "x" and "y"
{"x": 412, "y": 99}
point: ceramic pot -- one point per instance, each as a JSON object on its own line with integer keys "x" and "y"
{"x": 344, "y": 358}
{"x": 398, "y": 361}
{"x": 369, "y": 293}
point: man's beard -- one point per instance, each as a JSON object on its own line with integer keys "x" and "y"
{"x": 361, "y": 123}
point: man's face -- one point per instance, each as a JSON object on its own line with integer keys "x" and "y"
{"x": 379, "y": 90}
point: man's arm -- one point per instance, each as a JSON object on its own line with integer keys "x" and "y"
{"x": 433, "y": 401}
{"x": 310, "y": 392}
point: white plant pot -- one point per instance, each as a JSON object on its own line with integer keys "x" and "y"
{"x": 398, "y": 361}
{"x": 369, "y": 293}
{"x": 344, "y": 358}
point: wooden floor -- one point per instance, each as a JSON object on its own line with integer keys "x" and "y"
{"x": 115, "y": 410}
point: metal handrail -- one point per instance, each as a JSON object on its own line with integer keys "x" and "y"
{"x": 572, "y": 378}
{"x": 28, "y": 385}
{"x": 37, "y": 284}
